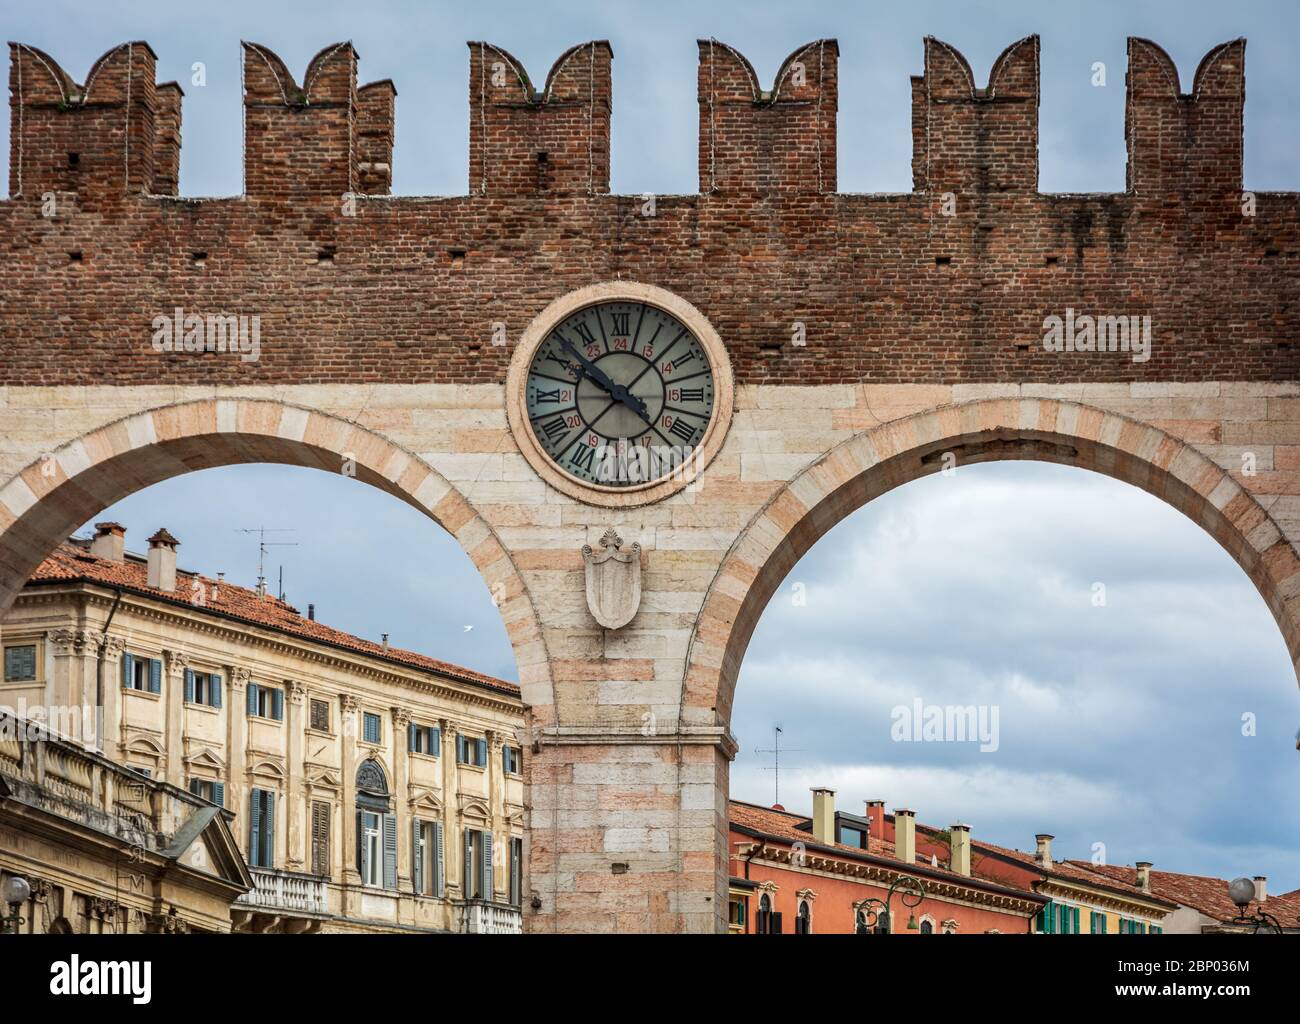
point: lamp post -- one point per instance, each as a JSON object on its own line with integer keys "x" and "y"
{"x": 1241, "y": 891}
{"x": 876, "y": 913}
{"x": 14, "y": 892}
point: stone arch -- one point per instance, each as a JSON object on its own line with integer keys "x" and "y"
{"x": 46, "y": 501}
{"x": 896, "y": 452}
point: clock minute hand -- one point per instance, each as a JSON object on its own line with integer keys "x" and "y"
{"x": 616, "y": 391}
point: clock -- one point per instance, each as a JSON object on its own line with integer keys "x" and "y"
{"x": 620, "y": 393}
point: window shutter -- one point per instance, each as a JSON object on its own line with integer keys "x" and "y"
{"x": 775, "y": 919}
{"x": 435, "y": 742}
{"x": 277, "y": 705}
{"x": 189, "y": 682}
{"x": 1049, "y": 913}
{"x": 320, "y": 837}
{"x": 482, "y": 753}
{"x": 219, "y": 794}
{"x": 363, "y": 851}
{"x": 390, "y": 851}
{"x": 516, "y": 871}
{"x": 410, "y": 736}
{"x": 417, "y": 856}
{"x": 128, "y": 669}
{"x": 460, "y": 747}
{"x": 194, "y": 786}
{"x": 269, "y": 828}
{"x": 505, "y": 759}
{"x": 1075, "y": 929}
{"x": 252, "y": 698}
{"x": 439, "y": 867}
{"x": 214, "y": 690}
{"x": 155, "y": 676}
{"x": 255, "y": 828}
{"x": 487, "y": 865}
{"x": 467, "y": 883}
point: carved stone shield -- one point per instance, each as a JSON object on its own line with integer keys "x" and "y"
{"x": 613, "y": 580}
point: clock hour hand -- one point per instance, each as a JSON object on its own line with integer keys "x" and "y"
{"x": 618, "y": 392}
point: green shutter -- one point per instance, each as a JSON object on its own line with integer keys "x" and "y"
{"x": 128, "y": 666}
{"x": 417, "y": 856}
{"x": 255, "y": 828}
{"x": 252, "y": 698}
{"x": 439, "y": 866}
{"x": 189, "y": 683}
{"x": 410, "y": 736}
{"x": 277, "y": 705}
{"x": 214, "y": 690}
{"x": 1076, "y": 921}
{"x": 155, "y": 676}
{"x": 435, "y": 742}
{"x": 488, "y": 892}
{"x": 467, "y": 881}
{"x": 219, "y": 794}
{"x": 195, "y": 785}
{"x": 389, "y": 826}
{"x": 269, "y": 828}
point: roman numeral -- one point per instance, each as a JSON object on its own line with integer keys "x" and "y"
{"x": 584, "y": 332}
{"x": 682, "y": 429}
{"x": 683, "y": 360}
{"x": 582, "y": 456}
{"x": 622, "y": 323}
{"x": 554, "y": 429}
{"x": 549, "y": 396}
{"x": 692, "y": 394}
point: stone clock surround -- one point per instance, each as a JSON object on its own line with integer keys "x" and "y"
{"x": 619, "y": 291}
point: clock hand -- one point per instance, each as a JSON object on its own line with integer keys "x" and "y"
{"x": 598, "y": 376}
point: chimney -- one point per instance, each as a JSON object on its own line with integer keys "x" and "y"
{"x": 261, "y": 587}
{"x": 875, "y": 814}
{"x": 162, "y": 560}
{"x": 109, "y": 541}
{"x": 1261, "y": 888}
{"x": 1044, "y": 853}
{"x": 311, "y": 613}
{"x": 823, "y": 820}
{"x": 905, "y": 835}
{"x": 1144, "y": 875}
{"x": 959, "y": 844}
{"x": 385, "y": 636}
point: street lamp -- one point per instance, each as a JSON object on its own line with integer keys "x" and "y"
{"x": 875, "y": 912}
{"x": 15, "y": 892}
{"x": 1241, "y": 891}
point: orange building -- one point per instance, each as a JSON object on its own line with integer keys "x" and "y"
{"x": 833, "y": 873}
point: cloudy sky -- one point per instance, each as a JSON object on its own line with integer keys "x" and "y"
{"x": 1118, "y": 724}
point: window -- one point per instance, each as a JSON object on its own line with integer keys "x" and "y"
{"x": 213, "y": 792}
{"x": 146, "y": 772}
{"x": 20, "y": 663}
{"x": 803, "y": 922}
{"x": 1155, "y": 929}
{"x": 851, "y": 836}
{"x": 424, "y": 739}
{"x": 510, "y": 759}
{"x": 736, "y": 913}
{"x": 143, "y": 674}
{"x": 927, "y": 927}
{"x": 516, "y": 894}
{"x": 427, "y": 859}
{"x": 369, "y": 838}
{"x": 320, "y": 715}
{"x": 471, "y": 751}
{"x": 478, "y": 864}
{"x": 203, "y": 688}
{"x": 261, "y": 829}
{"x": 266, "y": 702}
{"x": 768, "y": 921}
{"x": 320, "y": 837}
{"x": 372, "y": 727}
{"x": 860, "y": 923}
{"x": 1098, "y": 923}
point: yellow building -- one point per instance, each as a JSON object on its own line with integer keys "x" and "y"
{"x": 373, "y": 789}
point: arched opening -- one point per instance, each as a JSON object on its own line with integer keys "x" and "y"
{"x": 882, "y": 459}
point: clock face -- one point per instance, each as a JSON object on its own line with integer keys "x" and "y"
{"x": 619, "y": 394}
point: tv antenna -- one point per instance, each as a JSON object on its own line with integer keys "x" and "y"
{"x": 775, "y": 769}
{"x": 263, "y": 544}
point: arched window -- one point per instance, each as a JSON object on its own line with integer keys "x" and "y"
{"x": 376, "y": 828}
{"x": 860, "y": 923}
{"x": 803, "y": 923}
{"x": 768, "y": 921}
{"x": 927, "y": 927}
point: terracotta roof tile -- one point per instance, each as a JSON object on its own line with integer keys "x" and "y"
{"x": 72, "y": 562}
{"x": 1202, "y": 892}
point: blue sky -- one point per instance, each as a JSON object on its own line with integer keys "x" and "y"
{"x": 1118, "y": 724}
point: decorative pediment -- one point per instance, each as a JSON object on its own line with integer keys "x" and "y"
{"x": 515, "y": 817}
{"x": 204, "y": 843}
{"x": 806, "y": 894}
{"x": 423, "y": 798}
{"x": 323, "y": 777}
{"x": 205, "y": 757}
{"x": 768, "y": 886}
{"x": 474, "y": 807}
{"x": 272, "y": 767}
{"x": 144, "y": 743}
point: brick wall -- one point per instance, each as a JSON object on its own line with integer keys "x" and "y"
{"x": 889, "y": 288}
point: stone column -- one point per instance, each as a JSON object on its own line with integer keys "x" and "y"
{"x": 295, "y": 807}
{"x": 496, "y": 808}
{"x": 111, "y": 659}
{"x": 402, "y": 795}
{"x": 453, "y": 842}
{"x": 176, "y": 663}
{"x": 348, "y": 759}
{"x": 235, "y": 701}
